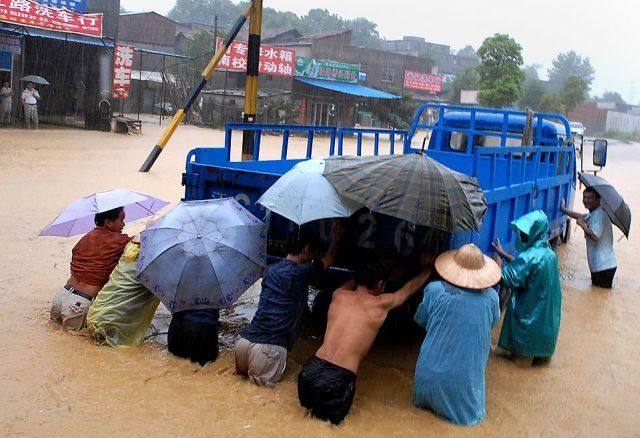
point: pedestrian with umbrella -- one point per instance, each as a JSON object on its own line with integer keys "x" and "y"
{"x": 605, "y": 206}
{"x": 198, "y": 258}
{"x": 30, "y": 98}
{"x": 97, "y": 253}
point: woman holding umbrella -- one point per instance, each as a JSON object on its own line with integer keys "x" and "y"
{"x": 93, "y": 259}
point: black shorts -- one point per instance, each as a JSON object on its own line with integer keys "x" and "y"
{"x": 327, "y": 390}
{"x": 603, "y": 278}
{"x": 197, "y": 341}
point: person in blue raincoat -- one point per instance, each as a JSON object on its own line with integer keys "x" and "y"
{"x": 532, "y": 320}
{"x": 458, "y": 314}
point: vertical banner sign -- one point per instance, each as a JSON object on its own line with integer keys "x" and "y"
{"x": 122, "y": 66}
{"x": 33, "y": 14}
{"x": 274, "y": 61}
{"x": 422, "y": 81}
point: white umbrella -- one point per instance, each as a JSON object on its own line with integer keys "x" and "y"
{"x": 303, "y": 195}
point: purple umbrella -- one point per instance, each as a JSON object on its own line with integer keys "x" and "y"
{"x": 77, "y": 218}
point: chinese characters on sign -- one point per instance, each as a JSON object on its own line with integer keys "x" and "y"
{"x": 273, "y": 60}
{"x": 122, "y": 66}
{"x": 325, "y": 69}
{"x": 11, "y": 45}
{"x": 33, "y": 14}
{"x": 79, "y": 6}
{"x": 422, "y": 81}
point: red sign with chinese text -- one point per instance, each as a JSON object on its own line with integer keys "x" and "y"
{"x": 122, "y": 66}
{"x": 30, "y": 13}
{"x": 274, "y": 61}
{"x": 422, "y": 81}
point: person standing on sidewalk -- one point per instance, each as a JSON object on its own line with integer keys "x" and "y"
{"x": 30, "y": 98}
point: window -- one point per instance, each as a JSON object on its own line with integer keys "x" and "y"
{"x": 388, "y": 74}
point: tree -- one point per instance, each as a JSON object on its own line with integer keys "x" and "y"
{"x": 204, "y": 11}
{"x": 612, "y": 96}
{"x": 467, "y": 52}
{"x": 501, "y": 79}
{"x": 201, "y": 48}
{"x": 466, "y": 79}
{"x": 533, "y": 91}
{"x": 531, "y": 71}
{"x": 570, "y": 64}
{"x": 365, "y": 33}
{"x": 573, "y": 92}
{"x": 550, "y": 103}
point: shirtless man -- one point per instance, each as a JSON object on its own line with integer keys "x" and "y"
{"x": 326, "y": 384}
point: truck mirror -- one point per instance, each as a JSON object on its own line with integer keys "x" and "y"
{"x": 600, "y": 152}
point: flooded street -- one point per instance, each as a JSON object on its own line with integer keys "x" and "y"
{"x": 59, "y": 384}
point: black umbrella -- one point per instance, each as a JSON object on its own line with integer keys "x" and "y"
{"x": 611, "y": 201}
{"x": 410, "y": 187}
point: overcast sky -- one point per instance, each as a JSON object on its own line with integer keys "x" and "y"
{"x": 605, "y": 31}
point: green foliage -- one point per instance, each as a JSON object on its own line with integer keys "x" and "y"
{"x": 204, "y": 11}
{"x": 531, "y": 72}
{"x": 317, "y": 20}
{"x": 533, "y": 91}
{"x": 612, "y": 96}
{"x": 467, "y": 51}
{"x": 550, "y": 103}
{"x": 501, "y": 79}
{"x": 396, "y": 113}
{"x": 280, "y": 110}
{"x": 573, "y": 92}
{"x": 626, "y": 137}
{"x": 201, "y": 48}
{"x": 570, "y": 64}
{"x": 466, "y": 79}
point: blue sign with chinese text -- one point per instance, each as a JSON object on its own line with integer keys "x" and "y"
{"x": 79, "y": 6}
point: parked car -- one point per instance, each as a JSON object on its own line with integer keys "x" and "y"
{"x": 577, "y": 129}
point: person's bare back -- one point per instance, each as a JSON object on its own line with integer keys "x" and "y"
{"x": 355, "y": 317}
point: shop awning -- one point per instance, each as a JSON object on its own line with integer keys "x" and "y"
{"x": 346, "y": 88}
{"x": 60, "y": 36}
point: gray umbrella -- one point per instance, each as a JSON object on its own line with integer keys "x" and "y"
{"x": 202, "y": 254}
{"x": 611, "y": 201}
{"x": 413, "y": 187}
{"x": 35, "y": 79}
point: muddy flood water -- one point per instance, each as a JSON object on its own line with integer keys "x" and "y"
{"x": 57, "y": 384}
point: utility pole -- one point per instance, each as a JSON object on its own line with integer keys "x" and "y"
{"x": 251, "y": 90}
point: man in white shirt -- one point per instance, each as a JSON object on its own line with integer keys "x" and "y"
{"x": 599, "y": 234}
{"x": 6, "y": 93}
{"x": 30, "y": 99}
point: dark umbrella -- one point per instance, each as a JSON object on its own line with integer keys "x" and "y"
{"x": 611, "y": 201}
{"x": 411, "y": 187}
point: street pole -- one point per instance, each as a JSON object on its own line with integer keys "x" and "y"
{"x": 251, "y": 89}
{"x": 196, "y": 89}
{"x": 162, "y": 106}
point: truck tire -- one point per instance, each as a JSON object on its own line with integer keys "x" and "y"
{"x": 567, "y": 232}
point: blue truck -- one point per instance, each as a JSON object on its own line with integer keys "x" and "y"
{"x": 522, "y": 163}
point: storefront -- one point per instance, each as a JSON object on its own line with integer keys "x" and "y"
{"x": 72, "y": 55}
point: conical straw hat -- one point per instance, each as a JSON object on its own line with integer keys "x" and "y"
{"x": 468, "y": 268}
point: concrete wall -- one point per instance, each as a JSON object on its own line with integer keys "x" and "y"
{"x": 150, "y": 28}
{"x": 622, "y": 122}
{"x": 111, "y": 11}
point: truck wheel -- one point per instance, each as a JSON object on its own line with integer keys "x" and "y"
{"x": 567, "y": 232}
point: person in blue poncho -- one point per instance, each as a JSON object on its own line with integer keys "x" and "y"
{"x": 532, "y": 320}
{"x": 458, "y": 314}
